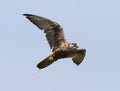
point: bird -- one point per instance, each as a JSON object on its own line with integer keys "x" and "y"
{"x": 60, "y": 47}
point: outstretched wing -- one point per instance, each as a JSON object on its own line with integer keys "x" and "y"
{"x": 54, "y": 32}
{"x": 79, "y": 56}
{"x": 46, "y": 62}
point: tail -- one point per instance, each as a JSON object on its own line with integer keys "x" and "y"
{"x": 79, "y": 56}
{"x": 46, "y": 62}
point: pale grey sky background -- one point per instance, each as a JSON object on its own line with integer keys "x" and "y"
{"x": 93, "y": 24}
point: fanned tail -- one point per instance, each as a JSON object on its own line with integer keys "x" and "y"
{"x": 79, "y": 56}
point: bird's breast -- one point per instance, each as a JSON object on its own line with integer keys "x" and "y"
{"x": 63, "y": 53}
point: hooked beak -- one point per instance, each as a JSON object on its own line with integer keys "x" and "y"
{"x": 76, "y": 46}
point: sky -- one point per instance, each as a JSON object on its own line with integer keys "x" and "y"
{"x": 93, "y": 24}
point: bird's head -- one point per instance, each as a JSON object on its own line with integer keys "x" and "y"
{"x": 73, "y": 45}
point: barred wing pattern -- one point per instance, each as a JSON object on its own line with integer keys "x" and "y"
{"x": 54, "y": 32}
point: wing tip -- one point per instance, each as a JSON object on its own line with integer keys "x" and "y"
{"x": 46, "y": 62}
{"x": 27, "y": 14}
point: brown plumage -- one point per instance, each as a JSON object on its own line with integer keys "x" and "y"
{"x": 56, "y": 39}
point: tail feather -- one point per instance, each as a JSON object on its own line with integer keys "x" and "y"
{"x": 46, "y": 62}
{"x": 79, "y": 56}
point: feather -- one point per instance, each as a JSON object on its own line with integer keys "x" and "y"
{"x": 79, "y": 56}
{"x": 53, "y": 30}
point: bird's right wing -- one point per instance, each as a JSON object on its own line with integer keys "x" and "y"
{"x": 54, "y": 32}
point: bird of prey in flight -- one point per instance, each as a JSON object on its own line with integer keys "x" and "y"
{"x": 56, "y": 39}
